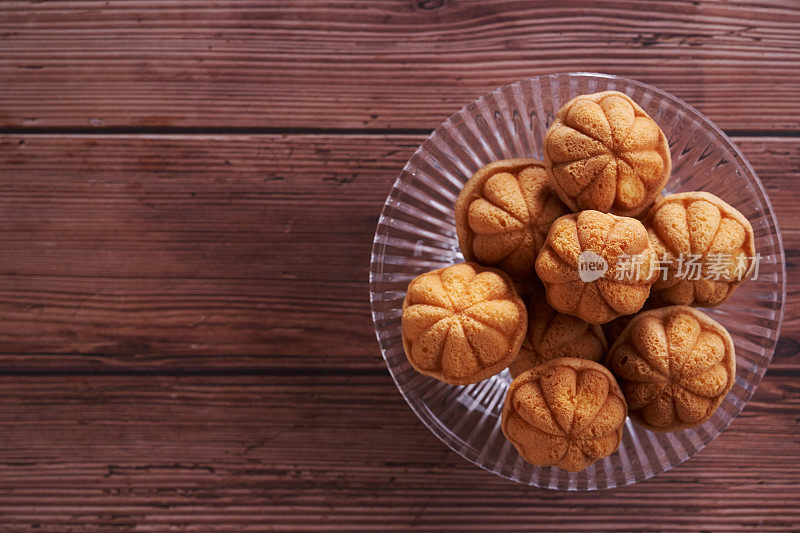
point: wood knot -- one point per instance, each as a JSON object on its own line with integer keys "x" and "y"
{"x": 429, "y": 4}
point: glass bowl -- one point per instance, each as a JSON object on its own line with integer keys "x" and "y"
{"x": 416, "y": 233}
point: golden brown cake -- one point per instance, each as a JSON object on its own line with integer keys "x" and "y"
{"x": 503, "y": 214}
{"x": 604, "y": 152}
{"x": 566, "y": 412}
{"x": 612, "y": 330}
{"x": 552, "y": 334}
{"x": 596, "y": 266}
{"x": 463, "y": 323}
{"x": 705, "y": 231}
{"x": 526, "y": 288}
{"x": 675, "y": 365}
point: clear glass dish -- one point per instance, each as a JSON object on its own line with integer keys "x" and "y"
{"x": 416, "y": 233}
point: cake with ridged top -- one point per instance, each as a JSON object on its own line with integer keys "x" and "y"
{"x": 604, "y": 152}
{"x": 622, "y": 266}
{"x": 552, "y": 334}
{"x": 503, "y": 214}
{"x": 462, "y": 324}
{"x": 699, "y": 227}
{"x": 675, "y": 365}
{"x": 566, "y": 412}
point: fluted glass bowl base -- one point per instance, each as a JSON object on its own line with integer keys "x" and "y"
{"x": 416, "y": 233}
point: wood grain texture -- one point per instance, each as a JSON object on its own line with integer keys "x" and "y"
{"x": 188, "y": 194}
{"x": 379, "y": 64}
{"x": 168, "y": 252}
{"x": 322, "y": 453}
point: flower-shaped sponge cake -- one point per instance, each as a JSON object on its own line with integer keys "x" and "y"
{"x": 612, "y": 330}
{"x": 566, "y": 413}
{"x": 552, "y": 334}
{"x": 618, "y": 246}
{"x": 714, "y": 240}
{"x": 675, "y": 365}
{"x": 604, "y": 152}
{"x": 463, "y": 323}
{"x": 503, "y": 214}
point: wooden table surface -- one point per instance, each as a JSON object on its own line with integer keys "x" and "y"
{"x": 188, "y": 193}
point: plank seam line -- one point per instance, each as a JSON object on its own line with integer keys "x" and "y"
{"x": 191, "y": 130}
{"x": 251, "y": 371}
{"x": 237, "y": 372}
{"x": 124, "y": 130}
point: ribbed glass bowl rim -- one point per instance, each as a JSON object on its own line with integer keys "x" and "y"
{"x": 377, "y": 247}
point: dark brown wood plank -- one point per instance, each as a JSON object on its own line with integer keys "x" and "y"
{"x": 224, "y": 252}
{"x": 171, "y": 246}
{"x": 382, "y": 64}
{"x": 323, "y": 453}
